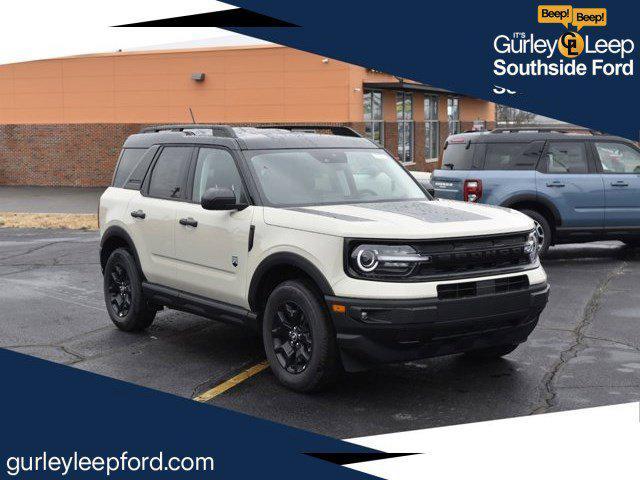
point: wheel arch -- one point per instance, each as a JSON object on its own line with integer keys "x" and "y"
{"x": 117, "y": 237}
{"x": 533, "y": 202}
{"x": 277, "y": 268}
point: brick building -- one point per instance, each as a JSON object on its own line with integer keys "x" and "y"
{"x": 62, "y": 121}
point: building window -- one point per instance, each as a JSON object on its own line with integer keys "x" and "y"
{"x": 431, "y": 126}
{"x": 453, "y": 114}
{"x": 373, "y": 124}
{"x": 404, "y": 115}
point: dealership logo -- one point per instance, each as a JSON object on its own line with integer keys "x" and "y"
{"x": 523, "y": 54}
{"x": 571, "y": 44}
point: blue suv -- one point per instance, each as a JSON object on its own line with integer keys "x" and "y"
{"x": 577, "y": 187}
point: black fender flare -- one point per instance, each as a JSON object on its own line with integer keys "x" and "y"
{"x": 525, "y": 197}
{"x": 120, "y": 233}
{"x": 286, "y": 259}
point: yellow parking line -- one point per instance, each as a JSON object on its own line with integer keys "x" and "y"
{"x": 232, "y": 382}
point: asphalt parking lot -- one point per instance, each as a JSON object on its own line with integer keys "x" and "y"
{"x": 585, "y": 351}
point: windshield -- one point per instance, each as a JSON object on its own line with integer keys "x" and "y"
{"x": 328, "y": 176}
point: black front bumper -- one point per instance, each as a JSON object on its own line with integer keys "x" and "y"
{"x": 372, "y": 332}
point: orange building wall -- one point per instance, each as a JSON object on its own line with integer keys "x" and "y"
{"x": 473, "y": 109}
{"x": 63, "y": 121}
{"x": 257, "y": 84}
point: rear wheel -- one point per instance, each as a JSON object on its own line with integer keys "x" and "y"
{"x": 125, "y": 302}
{"x": 542, "y": 229}
{"x": 299, "y": 340}
{"x": 492, "y": 352}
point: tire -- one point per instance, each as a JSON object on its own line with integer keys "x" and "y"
{"x": 299, "y": 339}
{"x": 543, "y": 228}
{"x": 122, "y": 287}
{"x": 491, "y": 352}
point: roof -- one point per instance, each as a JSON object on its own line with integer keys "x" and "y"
{"x": 248, "y": 138}
{"x": 527, "y": 136}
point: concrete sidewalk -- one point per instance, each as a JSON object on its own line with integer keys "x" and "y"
{"x": 49, "y": 199}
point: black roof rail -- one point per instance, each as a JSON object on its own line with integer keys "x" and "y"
{"x": 230, "y": 132}
{"x": 334, "y": 129}
{"x": 216, "y": 130}
{"x": 545, "y": 128}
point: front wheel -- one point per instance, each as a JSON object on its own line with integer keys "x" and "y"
{"x": 127, "y": 307}
{"x": 299, "y": 340}
{"x": 542, "y": 229}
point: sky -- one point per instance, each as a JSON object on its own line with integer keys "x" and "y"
{"x": 76, "y": 27}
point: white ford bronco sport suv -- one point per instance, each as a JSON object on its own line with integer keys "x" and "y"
{"x": 323, "y": 243}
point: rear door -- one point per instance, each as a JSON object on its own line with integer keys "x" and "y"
{"x": 620, "y": 166}
{"x": 509, "y": 170}
{"x": 212, "y": 249}
{"x": 152, "y": 213}
{"x": 568, "y": 178}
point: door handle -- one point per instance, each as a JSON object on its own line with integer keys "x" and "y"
{"x": 188, "y": 222}
{"x": 619, "y": 184}
{"x": 138, "y": 214}
{"x": 557, "y": 183}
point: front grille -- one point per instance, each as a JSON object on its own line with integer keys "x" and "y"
{"x": 463, "y": 257}
{"x": 483, "y": 287}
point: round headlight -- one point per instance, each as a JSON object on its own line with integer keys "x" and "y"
{"x": 532, "y": 246}
{"x": 367, "y": 260}
{"x": 376, "y": 260}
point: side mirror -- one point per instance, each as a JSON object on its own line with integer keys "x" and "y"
{"x": 221, "y": 199}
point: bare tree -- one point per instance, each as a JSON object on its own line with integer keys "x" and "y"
{"x": 513, "y": 116}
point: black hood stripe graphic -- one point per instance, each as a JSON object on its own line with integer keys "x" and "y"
{"x": 425, "y": 211}
{"x": 337, "y": 216}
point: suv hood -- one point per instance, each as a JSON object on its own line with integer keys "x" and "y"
{"x": 399, "y": 220}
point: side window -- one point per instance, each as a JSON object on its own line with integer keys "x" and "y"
{"x": 618, "y": 158}
{"x": 216, "y": 169}
{"x": 510, "y": 156}
{"x": 129, "y": 159}
{"x": 459, "y": 156}
{"x": 168, "y": 175}
{"x": 567, "y": 157}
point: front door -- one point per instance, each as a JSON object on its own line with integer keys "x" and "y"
{"x": 620, "y": 165}
{"x": 212, "y": 247}
{"x": 569, "y": 180}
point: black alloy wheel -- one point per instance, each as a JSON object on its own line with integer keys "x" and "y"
{"x": 119, "y": 288}
{"x": 292, "y": 337}
{"x": 299, "y": 339}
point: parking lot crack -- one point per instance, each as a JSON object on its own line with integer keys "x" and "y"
{"x": 77, "y": 356}
{"x": 548, "y": 399}
{"x": 39, "y": 247}
{"x": 615, "y": 342}
{"x": 22, "y": 269}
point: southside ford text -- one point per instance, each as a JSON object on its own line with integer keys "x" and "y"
{"x": 519, "y": 44}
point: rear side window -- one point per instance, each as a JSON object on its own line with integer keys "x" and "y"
{"x": 459, "y": 156}
{"x": 129, "y": 159}
{"x": 618, "y": 158}
{"x": 168, "y": 177}
{"x": 511, "y": 156}
{"x": 567, "y": 157}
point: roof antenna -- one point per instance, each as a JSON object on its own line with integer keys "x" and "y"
{"x": 192, "y": 117}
